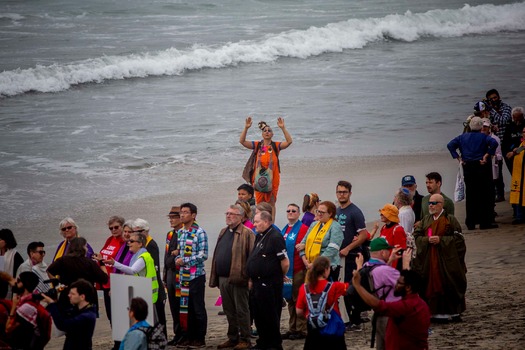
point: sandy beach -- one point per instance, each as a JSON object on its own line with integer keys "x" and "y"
{"x": 495, "y": 314}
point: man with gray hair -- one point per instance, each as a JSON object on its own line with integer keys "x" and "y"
{"x": 266, "y": 267}
{"x": 234, "y": 244}
{"x": 142, "y": 226}
{"x": 475, "y": 152}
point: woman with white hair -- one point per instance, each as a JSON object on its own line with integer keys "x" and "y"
{"x": 69, "y": 230}
{"x": 475, "y": 152}
{"x": 141, "y": 226}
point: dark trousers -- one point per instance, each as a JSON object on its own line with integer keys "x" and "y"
{"x": 479, "y": 192}
{"x": 350, "y": 266}
{"x": 315, "y": 341}
{"x": 197, "y": 316}
{"x": 173, "y": 300}
{"x": 107, "y": 303}
{"x": 498, "y": 183}
{"x": 266, "y": 300}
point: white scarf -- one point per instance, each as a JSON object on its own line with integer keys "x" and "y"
{"x": 9, "y": 266}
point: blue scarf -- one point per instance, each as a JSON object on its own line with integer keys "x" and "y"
{"x": 136, "y": 255}
{"x": 290, "y": 241}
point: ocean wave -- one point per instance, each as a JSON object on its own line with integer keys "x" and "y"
{"x": 334, "y": 37}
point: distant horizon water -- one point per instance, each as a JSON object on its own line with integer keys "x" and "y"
{"x": 104, "y": 100}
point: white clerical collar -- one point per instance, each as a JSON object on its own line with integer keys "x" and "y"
{"x": 437, "y": 217}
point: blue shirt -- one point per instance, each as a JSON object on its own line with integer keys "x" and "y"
{"x": 472, "y": 146}
{"x": 199, "y": 251}
{"x": 135, "y": 339}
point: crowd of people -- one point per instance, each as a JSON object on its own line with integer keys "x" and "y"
{"x": 414, "y": 264}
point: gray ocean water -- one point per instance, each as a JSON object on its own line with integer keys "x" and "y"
{"x": 125, "y": 99}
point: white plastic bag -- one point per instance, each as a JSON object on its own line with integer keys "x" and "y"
{"x": 459, "y": 191}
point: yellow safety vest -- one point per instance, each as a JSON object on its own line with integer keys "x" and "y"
{"x": 151, "y": 273}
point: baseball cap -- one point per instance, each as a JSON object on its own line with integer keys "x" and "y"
{"x": 408, "y": 180}
{"x": 481, "y": 106}
{"x": 378, "y": 244}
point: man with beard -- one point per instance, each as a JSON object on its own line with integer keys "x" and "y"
{"x": 28, "y": 325}
{"x": 352, "y": 222}
{"x": 440, "y": 260}
{"x": 408, "y": 318}
{"x": 500, "y": 114}
{"x": 433, "y": 184}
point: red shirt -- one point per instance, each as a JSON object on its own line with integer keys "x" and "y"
{"x": 110, "y": 250}
{"x": 408, "y": 323}
{"x": 394, "y": 235}
{"x": 298, "y": 264}
{"x": 338, "y": 289}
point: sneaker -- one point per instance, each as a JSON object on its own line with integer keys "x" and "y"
{"x": 184, "y": 343}
{"x": 221, "y": 313}
{"x": 196, "y": 344}
{"x": 227, "y": 344}
{"x": 243, "y": 345}
{"x": 355, "y": 328}
{"x": 176, "y": 339}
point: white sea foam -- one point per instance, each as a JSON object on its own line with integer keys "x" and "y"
{"x": 335, "y": 37}
{"x": 12, "y": 16}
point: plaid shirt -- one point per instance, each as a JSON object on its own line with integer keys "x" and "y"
{"x": 199, "y": 252}
{"x": 501, "y": 118}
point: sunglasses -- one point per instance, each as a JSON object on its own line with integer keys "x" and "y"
{"x": 320, "y": 212}
{"x": 138, "y": 231}
{"x": 132, "y": 241}
{"x": 41, "y": 252}
{"x": 433, "y": 203}
{"x": 67, "y": 228}
{"x": 113, "y": 228}
{"x": 291, "y": 211}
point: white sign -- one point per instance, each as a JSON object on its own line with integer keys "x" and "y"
{"x": 123, "y": 289}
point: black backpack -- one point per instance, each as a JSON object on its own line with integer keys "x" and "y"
{"x": 367, "y": 282}
{"x": 156, "y": 338}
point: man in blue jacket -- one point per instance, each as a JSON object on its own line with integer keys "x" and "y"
{"x": 79, "y": 321}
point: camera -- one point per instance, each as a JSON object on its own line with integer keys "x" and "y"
{"x": 51, "y": 292}
{"x": 400, "y": 252}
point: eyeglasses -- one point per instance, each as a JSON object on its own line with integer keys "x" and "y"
{"x": 67, "y": 228}
{"x": 185, "y": 213}
{"x": 113, "y": 228}
{"x": 138, "y": 231}
{"x": 320, "y": 212}
{"x": 433, "y": 203}
{"x": 132, "y": 241}
{"x": 230, "y": 214}
{"x": 41, "y": 252}
{"x": 291, "y": 211}
{"x": 342, "y": 192}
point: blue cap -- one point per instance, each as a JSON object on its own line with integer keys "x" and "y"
{"x": 482, "y": 106}
{"x": 408, "y": 180}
